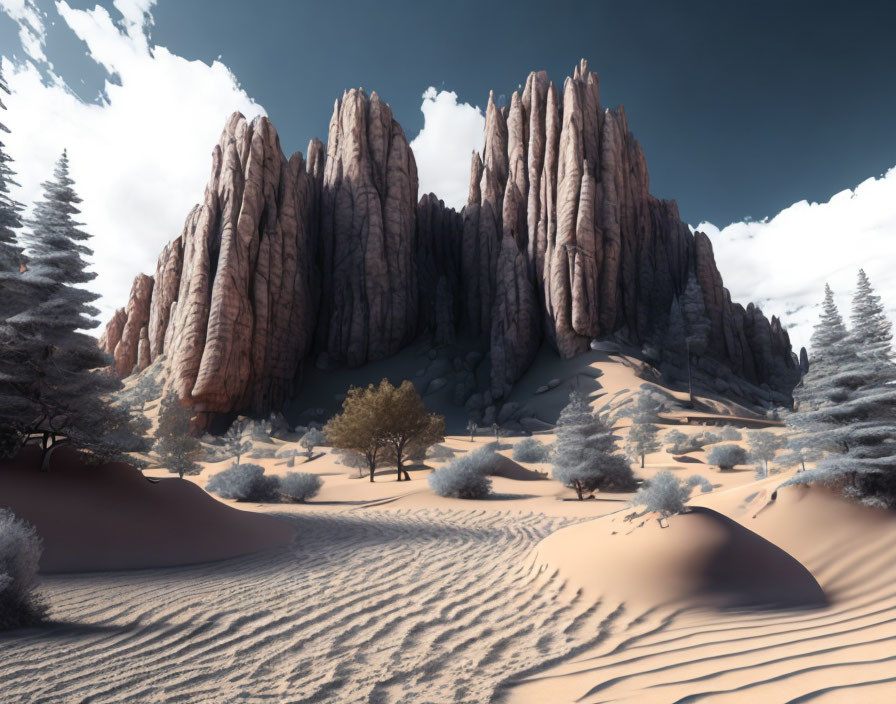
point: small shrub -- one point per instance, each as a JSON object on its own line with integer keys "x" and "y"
{"x": 667, "y": 494}
{"x": 311, "y": 439}
{"x": 606, "y": 473}
{"x": 531, "y": 450}
{"x": 245, "y": 482}
{"x": 730, "y": 434}
{"x": 300, "y": 486}
{"x": 20, "y": 550}
{"x": 681, "y": 444}
{"x": 465, "y": 477}
{"x": 727, "y": 456}
{"x": 263, "y": 453}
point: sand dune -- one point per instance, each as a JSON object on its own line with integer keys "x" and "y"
{"x": 110, "y": 517}
{"x": 844, "y": 652}
{"x": 700, "y": 558}
{"x": 381, "y": 606}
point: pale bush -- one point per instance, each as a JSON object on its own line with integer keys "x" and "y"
{"x": 727, "y": 456}
{"x": 730, "y": 434}
{"x": 465, "y": 477}
{"x": 300, "y": 486}
{"x": 667, "y": 494}
{"x": 531, "y": 450}
{"x": 20, "y": 550}
{"x": 245, "y": 482}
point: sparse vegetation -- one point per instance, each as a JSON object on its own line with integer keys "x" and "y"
{"x": 584, "y": 456}
{"x": 667, "y": 494}
{"x": 763, "y": 446}
{"x": 845, "y": 417}
{"x": 465, "y": 477}
{"x": 176, "y": 447}
{"x": 235, "y": 439}
{"x": 384, "y": 422}
{"x": 245, "y": 482}
{"x": 680, "y": 443}
{"x": 727, "y": 456}
{"x": 20, "y": 550}
{"x": 300, "y": 486}
{"x": 531, "y": 450}
{"x": 311, "y": 439}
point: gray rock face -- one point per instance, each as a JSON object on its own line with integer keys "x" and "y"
{"x": 368, "y": 208}
{"x": 332, "y": 260}
{"x": 583, "y": 246}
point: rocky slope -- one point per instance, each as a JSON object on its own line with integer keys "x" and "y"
{"x": 332, "y": 261}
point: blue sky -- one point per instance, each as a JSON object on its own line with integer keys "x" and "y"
{"x": 743, "y": 109}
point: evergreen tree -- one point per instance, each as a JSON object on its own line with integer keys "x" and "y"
{"x": 175, "y": 445}
{"x": 643, "y": 437}
{"x": 14, "y": 407}
{"x": 61, "y": 371}
{"x": 585, "y": 453}
{"x": 846, "y": 417}
{"x": 235, "y": 440}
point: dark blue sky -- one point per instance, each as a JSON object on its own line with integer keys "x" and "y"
{"x": 742, "y": 108}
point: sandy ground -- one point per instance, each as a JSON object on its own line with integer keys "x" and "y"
{"x": 391, "y": 594}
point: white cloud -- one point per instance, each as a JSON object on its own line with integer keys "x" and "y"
{"x": 140, "y": 156}
{"x": 32, "y": 33}
{"x": 443, "y": 148}
{"x": 783, "y": 263}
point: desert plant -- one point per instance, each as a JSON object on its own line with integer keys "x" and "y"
{"x": 727, "y": 456}
{"x": 845, "y": 417}
{"x": 584, "y": 456}
{"x": 300, "y": 486}
{"x": 668, "y": 494}
{"x": 680, "y": 443}
{"x": 464, "y": 478}
{"x": 245, "y": 482}
{"x": 531, "y": 450}
{"x": 763, "y": 446}
{"x": 384, "y": 422}
{"x": 311, "y": 439}
{"x": 20, "y": 550}
{"x": 176, "y": 447}
{"x": 729, "y": 434}
{"x": 235, "y": 439}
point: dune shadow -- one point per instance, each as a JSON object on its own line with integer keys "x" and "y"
{"x": 687, "y": 460}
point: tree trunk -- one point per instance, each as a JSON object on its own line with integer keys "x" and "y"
{"x": 579, "y": 491}
{"x": 642, "y": 461}
{"x": 372, "y": 470}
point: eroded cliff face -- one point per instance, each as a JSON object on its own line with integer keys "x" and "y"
{"x": 332, "y": 260}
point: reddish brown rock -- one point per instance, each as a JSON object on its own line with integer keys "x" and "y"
{"x": 333, "y": 259}
{"x": 112, "y": 334}
{"x": 368, "y": 202}
{"x": 136, "y": 317}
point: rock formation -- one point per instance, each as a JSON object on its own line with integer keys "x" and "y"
{"x": 333, "y": 261}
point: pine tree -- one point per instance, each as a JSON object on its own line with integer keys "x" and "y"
{"x": 585, "y": 453}
{"x": 62, "y": 371}
{"x": 235, "y": 440}
{"x": 846, "y": 417}
{"x": 15, "y": 408}
{"x": 643, "y": 437}
{"x": 175, "y": 445}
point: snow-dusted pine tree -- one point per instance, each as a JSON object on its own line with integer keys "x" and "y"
{"x": 847, "y": 402}
{"x": 62, "y": 371}
{"x": 585, "y": 453}
{"x": 15, "y": 407}
{"x": 643, "y": 437}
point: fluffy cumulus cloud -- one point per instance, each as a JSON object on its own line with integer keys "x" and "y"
{"x": 783, "y": 263}
{"x": 451, "y": 132}
{"x": 140, "y": 153}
